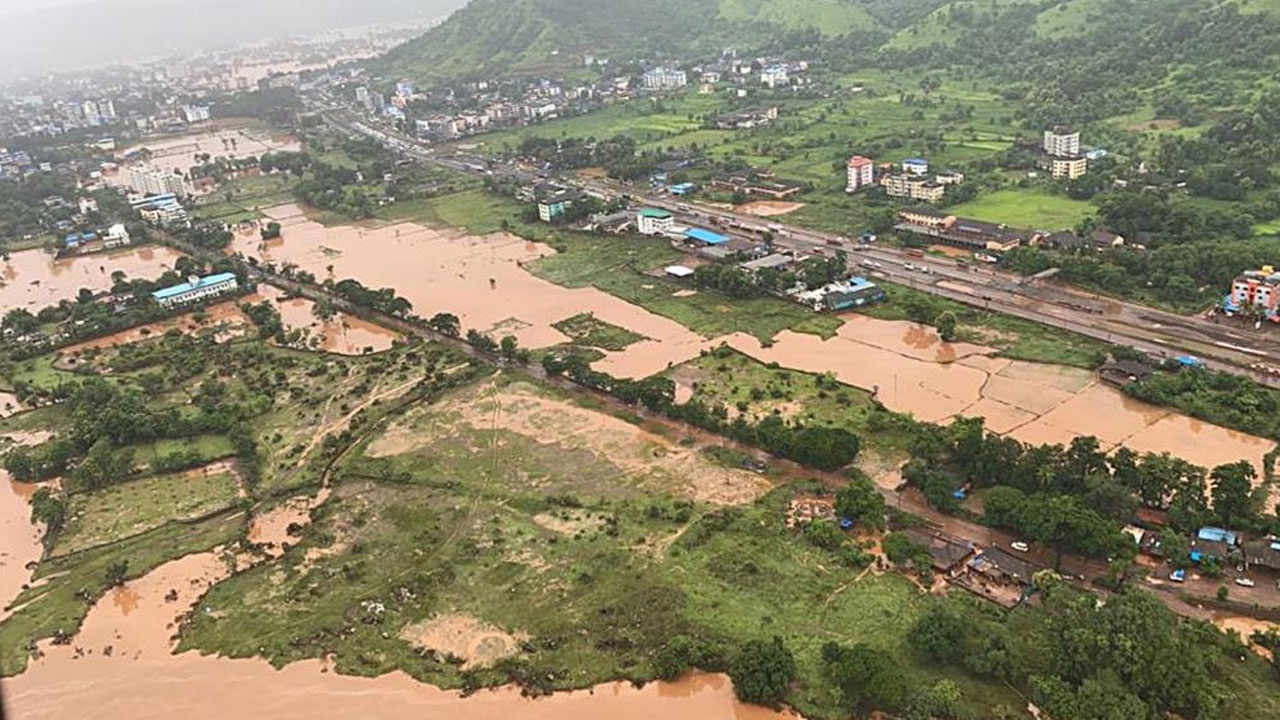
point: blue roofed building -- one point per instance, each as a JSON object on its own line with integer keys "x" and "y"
{"x": 1216, "y": 534}
{"x": 705, "y": 236}
{"x": 196, "y": 288}
{"x": 1213, "y": 543}
{"x": 915, "y": 166}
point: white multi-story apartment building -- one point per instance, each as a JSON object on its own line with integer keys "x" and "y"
{"x": 1059, "y": 142}
{"x": 664, "y": 78}
{"x": 774, "y": 76}
{"x": 861, "y": 173}
{"x": 1068, "y": 167}
{"x": 150, "y": 180}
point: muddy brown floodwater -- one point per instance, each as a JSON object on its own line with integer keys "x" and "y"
{"x": 907, "y": 367}
{"x": 20, "y": 543}
{"x": 32, "y": 279}
{"x": 343, "y": 334}
{"x": 19, "y": 539}
{"x": 120, "y": 665}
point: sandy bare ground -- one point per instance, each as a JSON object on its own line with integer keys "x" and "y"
{"x": 477, "y": 643}
{"x": 644, "y": 457}
{"x": 576, "y": 522}
{"x": 769, "y": 208}
{"x": 1246, "y": 627}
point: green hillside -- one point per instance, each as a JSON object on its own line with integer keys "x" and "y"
{"x": 489, "y": 36}
{"x": 1070, "y": 18}
{"x": 829, "y": 17}
{"x": 953, "y": 21}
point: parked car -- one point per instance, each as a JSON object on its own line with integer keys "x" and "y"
{"x": 1020, "y": 546}
{"x": 1244, "y": 582}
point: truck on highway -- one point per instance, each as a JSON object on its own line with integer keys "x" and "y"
{"x": 915, "y": 253}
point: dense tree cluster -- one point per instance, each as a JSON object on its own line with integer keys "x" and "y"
{"x": 384, "y": 300}
{"x": 762, "y": 672}
{"x": 824, "y": 448}
{"x": 1075, "y": 498}
{"x": 1229, "y": 400}
{"x": 1128, "y": 657}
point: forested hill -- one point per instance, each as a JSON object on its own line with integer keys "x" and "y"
{"x": 497, "y": 35}
{"x": 1093, "y": 51}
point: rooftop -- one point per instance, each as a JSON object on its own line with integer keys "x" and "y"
{"x": 775, "y": 260}
{"x": 207, "y": 281}
{"x": 705, "y": 236}
{"x": 654, "y": 213}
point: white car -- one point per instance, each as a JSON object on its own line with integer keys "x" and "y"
{"x": 1020, "y": 546}
{"x": 1244, "y": 582}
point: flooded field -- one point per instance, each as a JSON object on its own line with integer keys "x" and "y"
{"x": 907, "y": 367}
{"x": 911, "y": 370}
{"x": 19, "y": 539}
{"x": 20, "y": 543}
{"x": 479, "y": 279}
{"x": 343, "y": 334}
{"x": 33, "y": 279}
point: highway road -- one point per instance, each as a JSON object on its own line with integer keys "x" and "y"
{"x": 1222, "y": 343}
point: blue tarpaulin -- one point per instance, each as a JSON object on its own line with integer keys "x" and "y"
{"x": 705, "y": 236}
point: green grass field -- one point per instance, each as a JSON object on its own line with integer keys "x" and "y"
{"x": 1031, "y": 209}
{"x": 830, "y": 17}
{"x": 586, "y": 329}
{"x": 477, "y": 211}
{"x": 1271, "y": 227}
{"x": 112, "y": 514}
{"x": 243, "y": 199}
{"x": 1068, "y": 19}
{"x": 746, "y": 386}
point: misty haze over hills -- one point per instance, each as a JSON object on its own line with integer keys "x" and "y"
{"x": 61, "y": 34}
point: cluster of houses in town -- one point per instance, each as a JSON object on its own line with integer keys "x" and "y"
{"x": 115, "y": 236}
{"x": 912, "y": 182}
{"x": 1059, "y": 155}
{"x": 755, "y": 258}
{"x": 485, "y": 105}
{"x": 1005, "y": 576}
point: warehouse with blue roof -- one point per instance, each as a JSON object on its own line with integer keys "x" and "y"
{"x": 197, "y": 288}
{"x": 705, "y": 236}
